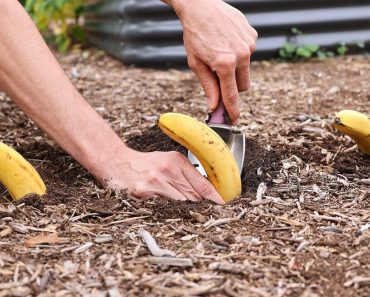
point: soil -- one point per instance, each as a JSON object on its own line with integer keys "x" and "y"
{"x": 308, "y": 236}
{"x": 257, "y": 158}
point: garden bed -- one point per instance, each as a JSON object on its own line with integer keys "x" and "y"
{"x": 306, "y": 237}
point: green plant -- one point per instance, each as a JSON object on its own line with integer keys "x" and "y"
{"x": 291, "y": 50}
{"x": 359, "y": 44}
{"x": 342, "y": 49}
{"x": 58, "y": 19}
{"x": 296, "y": 31}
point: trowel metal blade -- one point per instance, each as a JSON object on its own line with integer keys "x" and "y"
{"x": 235, "y": 140}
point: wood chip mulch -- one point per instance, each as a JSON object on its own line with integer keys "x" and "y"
{"x": 301, "y": 228}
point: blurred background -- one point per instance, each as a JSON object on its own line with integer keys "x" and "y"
{"x": 148, "y": 33}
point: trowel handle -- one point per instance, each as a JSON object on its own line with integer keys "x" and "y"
{"x": 220, "y": 115}
{"x": 217, "y": 117}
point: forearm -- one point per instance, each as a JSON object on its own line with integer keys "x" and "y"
{"x": 31, "y": 76}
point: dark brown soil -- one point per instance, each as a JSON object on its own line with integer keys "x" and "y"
{"x": 256, "y": 157}
{"x": 352, "y": 165}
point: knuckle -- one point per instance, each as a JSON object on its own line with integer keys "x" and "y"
{"x": 171, "y": 163}
{"x": 231, "y": 99}
{"x": 152, "y": 178}
{"x": 227, "y": 62}
{"x": 165, "y": 168}
{"x": 192, "y": 63}
{"x": 139, "y": 189}
{"x": 252, "y": 47}
{"x": 174, "y": 156}
{"x": 241, "y": 15}
{"x": 245, "y": 54}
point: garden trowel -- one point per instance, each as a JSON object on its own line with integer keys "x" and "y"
{"x": 220, "y": 122}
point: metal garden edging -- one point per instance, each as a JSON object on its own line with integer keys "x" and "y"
{"x": 148, "y": 33}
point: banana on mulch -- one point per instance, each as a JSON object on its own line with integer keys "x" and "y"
{"x": 357, "y": 126}
{"x": 18, "y": 176}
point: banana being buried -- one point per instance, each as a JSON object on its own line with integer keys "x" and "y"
{"x": 212, "y": 152}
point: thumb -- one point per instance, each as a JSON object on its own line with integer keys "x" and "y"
{"x": 208, "y": 81}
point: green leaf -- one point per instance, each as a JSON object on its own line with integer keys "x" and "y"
{"x": 330, "y": 54}
{"x": 321, "y": 54}
{"x": 313, "y": 48}
{"x": 58, "y": 19}
{"x": 63, "y": 43}
{"x": 303, "y": 52}
{"x": 282, "y": 53}
{"x": 296, "y": 31}
{"x": 359, "y": 44}
{"x": 29, "y": 5}
{"x": 289, "y": 47}
{"x": 342, "y": 50}
{"x": 79, "y": 34}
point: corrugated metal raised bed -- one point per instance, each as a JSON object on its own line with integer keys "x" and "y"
{"x": 147, "y": 32}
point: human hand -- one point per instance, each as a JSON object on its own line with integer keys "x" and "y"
{"x": 167, "y": 174}
{"x": 219, "y": 41}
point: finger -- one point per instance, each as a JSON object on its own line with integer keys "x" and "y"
{"x": 200, "y": 184}
{"x": 208, "y": 81}
{"x": 185, "y": 188}
{"x": 229, "y": 91}
{"x": 243, "y": 75}
{"x": 172, "y": 193}
{"x": 166, "y": 190}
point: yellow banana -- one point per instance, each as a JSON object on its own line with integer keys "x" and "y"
{"x": 211, "y": 151}
{"x": 357, "y": 126}
{"x": 18, "y": 175}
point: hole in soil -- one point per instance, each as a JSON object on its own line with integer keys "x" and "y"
{"x": 256, "y": 157}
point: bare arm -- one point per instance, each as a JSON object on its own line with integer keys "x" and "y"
{"x": 32, "y": 77}
{"x": 30, "y": 74}
{"x": 218, "y": 39}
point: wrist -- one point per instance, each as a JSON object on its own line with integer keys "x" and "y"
{"x": 106, "y": 167}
